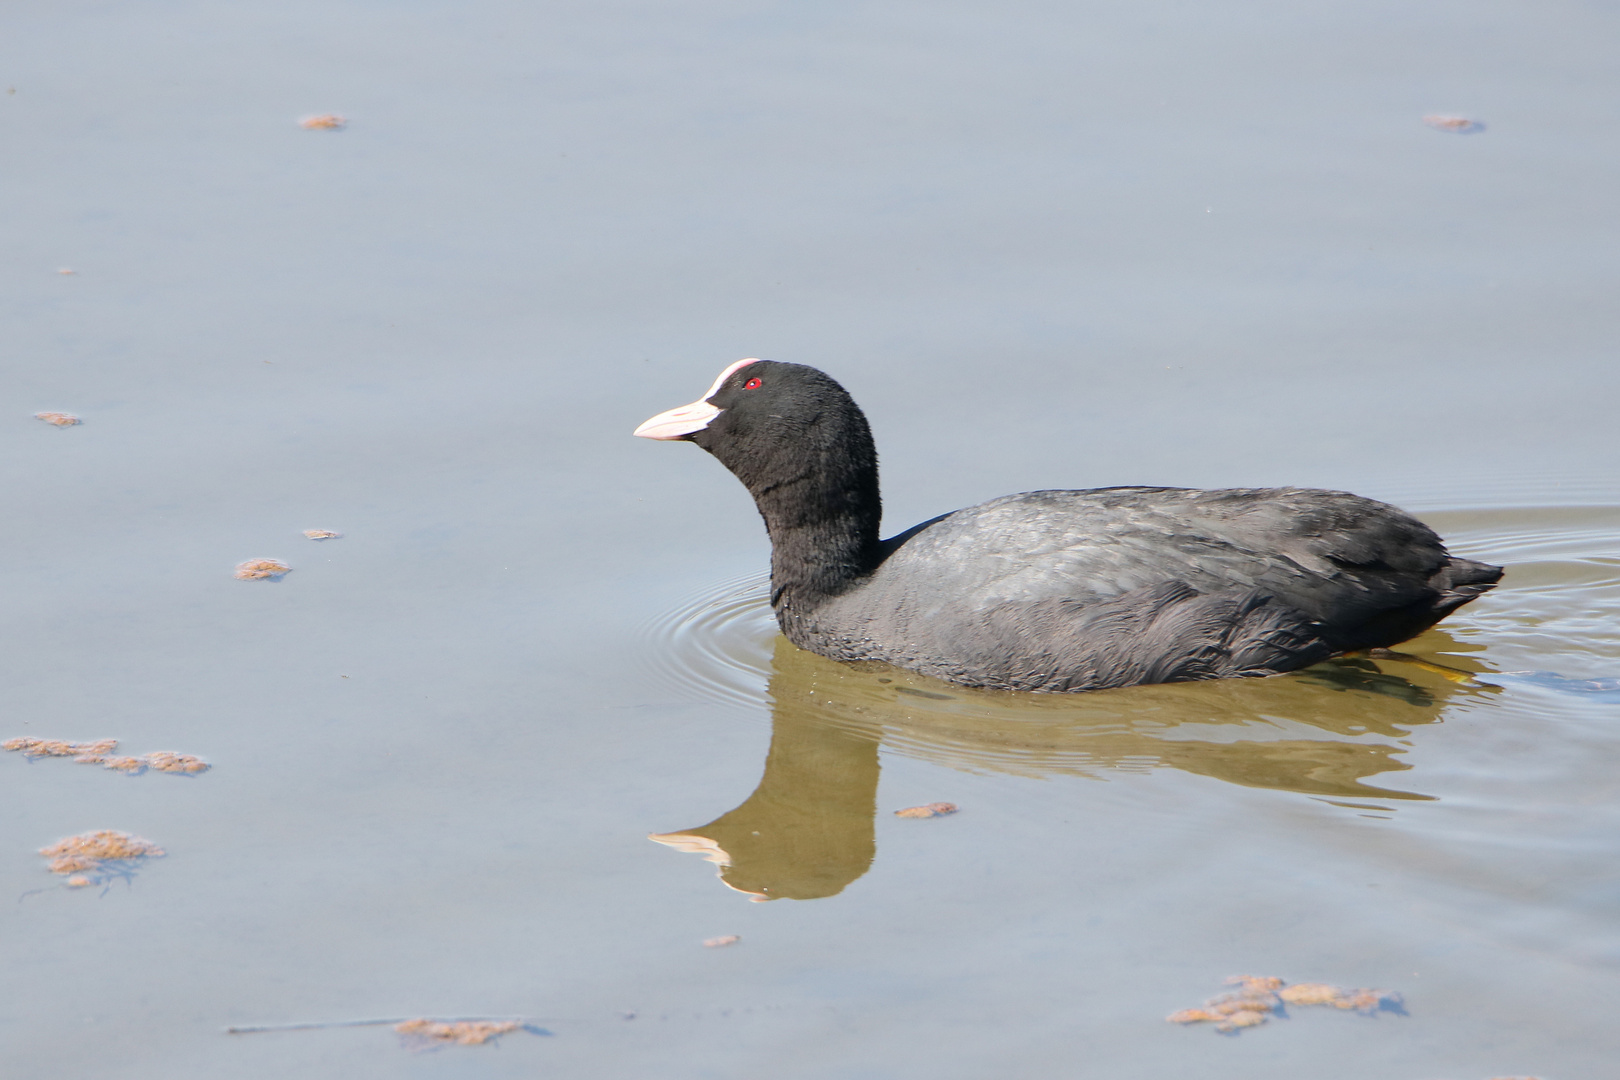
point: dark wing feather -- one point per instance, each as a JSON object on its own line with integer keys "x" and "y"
{"x": 1115, "y": 586}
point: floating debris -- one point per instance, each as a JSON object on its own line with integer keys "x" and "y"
{"x": 324, "y": 122}
{"x": 41, "y": 748}
{"x": 91, "y": 858}
{"x": 261, "y": 568}
{"x": 1457, "y": 125}
{"x": 1259, "y": 997}
{"x": 933, "y": 809}
{"x": 722, "y": 941}
{"x": 134, "y": 766}
{"x": 322, "y": 534}
{"x": 1362, "y": 1001}
{"x": 427, "y": 1033}
{"x": 397, "y": 1022}
{"x": 100, "y": 753}
{"x": 60, "y": 419}
{"x": 1248, "y": 1006}
{"x": 170, "y": 762}
{"x": 66, "y": 270}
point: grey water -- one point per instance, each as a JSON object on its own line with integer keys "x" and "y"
{"x": 1044, "y": 245}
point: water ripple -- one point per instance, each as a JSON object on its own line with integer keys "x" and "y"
{"x": 715, "y": 647}
{"x": 1558, "y": 608}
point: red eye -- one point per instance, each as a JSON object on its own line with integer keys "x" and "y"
{"x": 751, "y": 384}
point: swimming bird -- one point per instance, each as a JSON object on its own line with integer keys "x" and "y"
{"x": 1060, "y": 590}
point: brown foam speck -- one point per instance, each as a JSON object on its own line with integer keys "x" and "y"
{"x": 131, "y": 765}
{"x": 170, "y": 762}
{"x": 60, "y": 419}
{"x": 1459, "y": 125}
{"x": 1258, "y": 997}
{"x": 322, "y": 534}
{"x": 324, "y": 122}
{"x": 459, "y": 1032}
{"x": 255, "y": 569}
{"x": 722, "y": 941}
{"x": 933, "y": 809}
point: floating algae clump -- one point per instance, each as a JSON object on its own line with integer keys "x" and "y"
{"x": 1457, "y": 125}
{"x": 95, "y": 856}
{"x": 254, "y": 569}
{"x": 1247, "y": 1006}
{"x": 161, "y": 760}
{"x": 169, "y": 761}
{"x": 1363, "y": 1001}
{"x": 134, "y": 766}
{"x": 933, "y": 809}
{"x": 101, "y": 753}
{"x": 1259, "y": 997}
{"x": 459, "y": 1032}
{"x": 38, "y": 748}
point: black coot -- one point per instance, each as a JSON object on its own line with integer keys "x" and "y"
{"x": 1060, "y": 590}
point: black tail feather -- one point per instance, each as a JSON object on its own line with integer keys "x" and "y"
{"x": 1460, "y": 581}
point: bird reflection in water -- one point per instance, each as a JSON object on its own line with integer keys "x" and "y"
{"x": 807, "y": 831}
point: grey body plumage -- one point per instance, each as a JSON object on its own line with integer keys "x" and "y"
{"x": 1060, "y": 590}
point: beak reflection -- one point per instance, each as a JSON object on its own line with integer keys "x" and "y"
{"x": 807, "y": 831}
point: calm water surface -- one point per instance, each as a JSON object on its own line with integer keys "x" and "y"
{"x": 1045, "y": 245}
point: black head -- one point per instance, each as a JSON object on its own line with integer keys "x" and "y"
{"x": 772, "y": 424}
{"x": 797, "y": 441}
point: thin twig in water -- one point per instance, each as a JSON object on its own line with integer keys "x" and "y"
{"x": 252, "y": 1029}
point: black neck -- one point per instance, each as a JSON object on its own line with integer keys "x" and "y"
{"x": 803, "y": 449}
{"x": 823, "y": 541}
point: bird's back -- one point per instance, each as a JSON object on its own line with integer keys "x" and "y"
{"x": 1112, "y": 586}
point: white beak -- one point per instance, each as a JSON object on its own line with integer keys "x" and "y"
{"x": 678, "y": 423}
